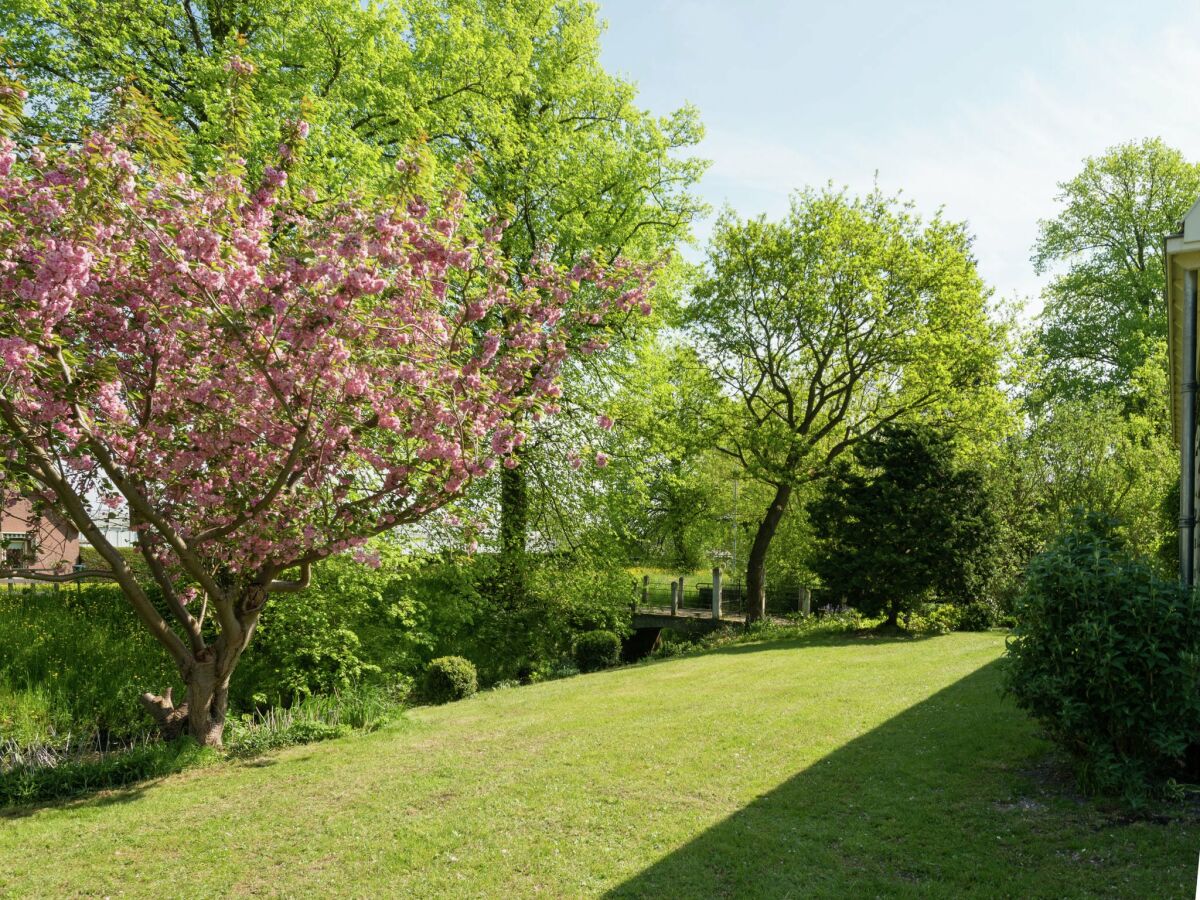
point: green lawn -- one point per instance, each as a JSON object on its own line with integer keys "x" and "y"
{"x": 851, "y": 767}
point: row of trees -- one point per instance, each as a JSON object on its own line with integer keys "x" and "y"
{"x": 281, "y": 280}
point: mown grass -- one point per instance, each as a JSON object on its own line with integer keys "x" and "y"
{"x": 821, "y": 767}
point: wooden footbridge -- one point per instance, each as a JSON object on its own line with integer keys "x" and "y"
{"x": 712, "y": 612}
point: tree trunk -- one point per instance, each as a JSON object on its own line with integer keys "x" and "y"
{"x": 202, "y": 712}
{"x": 514, "y": 528}
{"x": 756, "y": 565}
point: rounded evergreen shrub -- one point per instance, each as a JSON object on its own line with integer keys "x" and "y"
{"x": 1106, "y": 655}
{"x": 450, "y": 678}
{"x": 595, "y": 650}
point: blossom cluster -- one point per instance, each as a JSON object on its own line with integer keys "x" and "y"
{"x": 270, "y": 378}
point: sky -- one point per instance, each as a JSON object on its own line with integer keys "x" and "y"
{"x": 977, "y": 108}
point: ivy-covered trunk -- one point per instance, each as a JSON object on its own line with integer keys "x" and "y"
{"x": 756, "y": 565}
{"x": 514, "y": 528}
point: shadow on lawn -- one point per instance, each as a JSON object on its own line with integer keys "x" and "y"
{"x": 895, "y": 810}
{"x": 853, "y": 639}
{"x": 92, "y": 799}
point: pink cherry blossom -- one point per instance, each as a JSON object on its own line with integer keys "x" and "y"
{"x": 264, "y": 380}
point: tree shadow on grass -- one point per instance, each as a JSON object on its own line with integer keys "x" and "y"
{"x": 97, "y": 798}
{"x": 850, "y": 639}
{"x": 934, "y": 802}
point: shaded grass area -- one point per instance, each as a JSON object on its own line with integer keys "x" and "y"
{"x": 819, "y": 767}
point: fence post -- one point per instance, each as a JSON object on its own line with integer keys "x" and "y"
{"x": 645, "y": 590}
{"x": 682, "y": 604}
{"x": 674, "y": 597}
{"x": 716, "y": 607}
{"x": 805, "y": 599}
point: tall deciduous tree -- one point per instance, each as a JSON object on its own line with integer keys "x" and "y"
{"x": 264, "y": 378}
{"x": 822, "y": 328}
{"x": 1104, "y": 315}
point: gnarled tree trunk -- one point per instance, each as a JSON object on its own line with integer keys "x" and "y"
{"x": 201, "y": 713}
{"x": 206, "y": 677}
{"x": 756, "y": 565}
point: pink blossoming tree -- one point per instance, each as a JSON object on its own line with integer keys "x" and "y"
{"x": 262, "y": 379}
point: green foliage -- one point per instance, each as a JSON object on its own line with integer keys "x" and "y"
{"x": 361, "y": 707}
{"x": 849, "y": 313}
{"x": 75, "y": 661}
{"x": 31, "y": 782}
{"x": 564, "y": 150}
{"x": 1106, "y": 655}
{"x": 1103, "y": 454}
{"x": 596, "y": 650}
{"x": 523, "y": 637}
{"x": 1103, "y": 315}
{"x": 909, "y": 525}
{"x": 353, "y": 624}
{"x": 933, "y": 618}
{"x": 978, "y": 615}
{"x": 449, "y": 678}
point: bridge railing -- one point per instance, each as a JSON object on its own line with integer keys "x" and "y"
{"x": 696, "y": 594}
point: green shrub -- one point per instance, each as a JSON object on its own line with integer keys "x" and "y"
{"x": 930, "y": 531}
{"x": 597, "y": 650}
{"x": 977, "y": 616}
{"x": 353, "y": 625}
{"x": 39, "y": 782}
{"x": 449, "y": 678}
{"x": 933, "y": 618}
{"x": 1106, "y": 655}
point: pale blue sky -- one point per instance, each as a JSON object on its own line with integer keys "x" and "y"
{"x": 978, "y": 107}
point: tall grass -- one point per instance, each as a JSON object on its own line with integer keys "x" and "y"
{"x": 313, "y": 718}
{"x": 73, "y": 663}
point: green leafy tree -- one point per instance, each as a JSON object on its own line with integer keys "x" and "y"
{"x": 907, "y": 525}
{"x": 1099, "y": 454}
{"x": 849, "y": 314}
{"x": 1104, "y": 315}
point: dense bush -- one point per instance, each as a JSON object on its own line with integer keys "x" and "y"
{"x": 933, "y": 618}
{"x": 353, "y": 625}
{"x": 1106, "y": 655}
{"x": 979, "y": 615}
{"x": 597, "y": 650}
{"x": 449, "y": 678}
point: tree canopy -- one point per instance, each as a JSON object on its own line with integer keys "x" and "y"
{"x": 1104, "y": 313}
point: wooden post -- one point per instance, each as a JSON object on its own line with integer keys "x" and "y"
{"x": 805, "y": 599}
{"x": 645, "y": 590}
{"x": 716, "y": 607}
{"x": 681, "y": 602}
{"x": 674, "y": 597}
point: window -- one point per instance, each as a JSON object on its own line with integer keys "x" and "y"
{"x": 18, "y": 550}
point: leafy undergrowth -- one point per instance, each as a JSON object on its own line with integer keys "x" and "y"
{"x": 826, "y": 766}
{"x": 37, "y": 772}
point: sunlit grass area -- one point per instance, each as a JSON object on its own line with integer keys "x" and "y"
{"x": 828, "y": 767}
